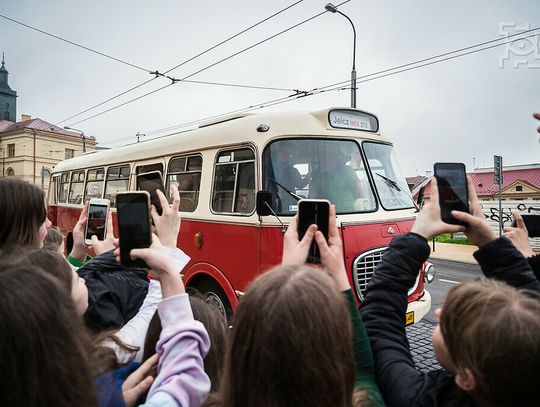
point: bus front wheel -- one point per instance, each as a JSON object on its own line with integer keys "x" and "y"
{"x": 215, "y": 297}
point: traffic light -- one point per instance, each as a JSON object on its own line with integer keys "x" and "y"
{"x": 497, "y": 167}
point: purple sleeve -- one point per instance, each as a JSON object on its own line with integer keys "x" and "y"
{"x": 182, "y": 345}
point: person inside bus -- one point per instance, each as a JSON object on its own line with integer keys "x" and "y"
{"x": 487, "y": 337}
{"x": 285, "y": 174}
{"x": 336, "y": 181}
{"x": 23, "y": 215}
{"x": 297, "y": 338}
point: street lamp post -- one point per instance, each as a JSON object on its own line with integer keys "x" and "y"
{"x": 82, "y": 135}
{"x": 333, "y": 9}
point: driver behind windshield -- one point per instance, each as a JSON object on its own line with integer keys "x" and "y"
{"x": 286, "y": 176}
{"x": 336, "y": 181}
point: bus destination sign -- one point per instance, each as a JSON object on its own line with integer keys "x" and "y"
{"x": 353, "y": 120}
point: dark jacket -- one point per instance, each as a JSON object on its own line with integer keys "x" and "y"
{"x": 115, "y": 293}
{"x": 383, "y": 313}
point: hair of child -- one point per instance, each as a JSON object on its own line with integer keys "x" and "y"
{"x": 22, "y": 212}
{"x": 291, "y": 343}
{"x": 493, "y": 329}
{"x": 44, "y": 345}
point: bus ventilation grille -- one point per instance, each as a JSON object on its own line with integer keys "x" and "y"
{"x": 363, "y": 269}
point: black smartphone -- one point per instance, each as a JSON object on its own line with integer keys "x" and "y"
{"x": 151, "y": 182}
{"x": 313, "y": 211}
{"x": 453, "y": 194}
{"x": 134, "y": 228}
{"x": 532, "y": 223}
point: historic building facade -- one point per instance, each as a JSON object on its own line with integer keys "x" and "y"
{"x": 30, "y": 148}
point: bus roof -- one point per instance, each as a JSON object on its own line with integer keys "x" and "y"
{"x": 225, "y": 131}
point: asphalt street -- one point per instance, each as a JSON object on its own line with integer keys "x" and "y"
{"x": 448, "y": 274}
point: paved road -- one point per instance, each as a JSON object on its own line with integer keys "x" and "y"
{"x": 448, "y": 274}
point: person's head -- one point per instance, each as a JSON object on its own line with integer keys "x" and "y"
{"x": 291, "y": 343}
{"x": 489, "y": 338}
{"x": 55, "y": 264}
{"x": 216, "y": 326}
{"x": 54, "y": 241}
{"x": 23, "y": 215}
{"x": 43, "y": 344}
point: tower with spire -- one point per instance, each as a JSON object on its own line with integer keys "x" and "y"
{"x": 8, "y": 97}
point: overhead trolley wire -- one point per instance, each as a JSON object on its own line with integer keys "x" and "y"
{"x": 205, "y": 68}
{"x": 337, "y": 86}
{"x": 75, "y": 44}
{"x": 185, "y": 61}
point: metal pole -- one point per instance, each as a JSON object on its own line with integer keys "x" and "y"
{"x": 353, "y": 88}
{"x": 500, "y": 209}
{"x": 83, "y": 143}
{"x": 42, "y": 177}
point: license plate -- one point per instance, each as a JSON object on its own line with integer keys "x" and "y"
{"x": 409, "y": 318}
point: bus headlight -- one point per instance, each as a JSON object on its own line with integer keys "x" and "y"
{"x": 429, "y": 273}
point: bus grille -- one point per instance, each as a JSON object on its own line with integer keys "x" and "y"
{"x": 363, "y": 268}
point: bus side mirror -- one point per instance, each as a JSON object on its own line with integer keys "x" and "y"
{"x": 264, "y": 203}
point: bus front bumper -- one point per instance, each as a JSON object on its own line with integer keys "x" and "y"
{"x": 416, "y": 310}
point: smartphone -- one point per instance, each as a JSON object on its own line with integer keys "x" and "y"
{"x": 313, "y": 211}
{"x": 151, "y": 182}
{"x": 134, "y": 227}
{"x": 96, "y": 223}
{"x": 452, "y": 185}
{"x": 532, "y": 223}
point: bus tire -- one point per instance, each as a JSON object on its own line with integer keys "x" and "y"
{"x": 215, "y": 296}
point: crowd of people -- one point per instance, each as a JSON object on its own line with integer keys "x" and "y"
{"x": 297, "y": 337}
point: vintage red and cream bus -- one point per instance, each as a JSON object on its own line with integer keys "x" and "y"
{"x": 337, "y": 154}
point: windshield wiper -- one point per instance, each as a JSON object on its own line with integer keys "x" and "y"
{"x": 390, "y": 182}
{"x": 297, "y": 197}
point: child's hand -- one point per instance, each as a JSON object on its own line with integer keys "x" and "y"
{"x": 477, "y": 230}
{"x": 168, "y": 224}
{"x": 332, "y": 252}
{"x": 80, "y": 250}
{"x": 428, "y": 222}
{"x": 519, "y": 235}
{"x": 138, "y": 382}
{"x": 295, "y": 252}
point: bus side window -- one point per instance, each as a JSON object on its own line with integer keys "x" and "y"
{"x": 185, "y": 173}
{"x": 234, "y": 182}
{"x": 76, "y": 188}
{"x": 63, "y": 187}
{"x": 117, "y": 181}
{"x": 94, "y": 184}
{"x": 52, "y": 198}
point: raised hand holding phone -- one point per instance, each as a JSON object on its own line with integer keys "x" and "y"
{"x": 313, "y": 212}
{"x": 453, "y": 193}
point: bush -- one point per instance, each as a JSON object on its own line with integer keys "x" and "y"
{"x": 449, "y": 238}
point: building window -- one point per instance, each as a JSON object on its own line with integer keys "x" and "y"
{"x": 70, "y": 153}
{"x": 10, "y": 172}
{"x": 519, "y": 188}
{"x": 11, "y": 150}
{"x": 185, "y": 173}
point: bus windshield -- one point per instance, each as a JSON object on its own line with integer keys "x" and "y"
{"x": 391, "y": 185}
{"x": 317, "y": 169}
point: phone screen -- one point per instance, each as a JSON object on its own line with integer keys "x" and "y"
{"x": 313, "y": 212}
{"x": 97, "y": 219}
{"x": 151, "y": 182}
{"x": 532, "y": 223}
{"x": 133, "y": 226}
{"x": 452, "y": 185}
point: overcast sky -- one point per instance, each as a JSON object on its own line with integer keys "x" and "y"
{"x": 452, "y": 111}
